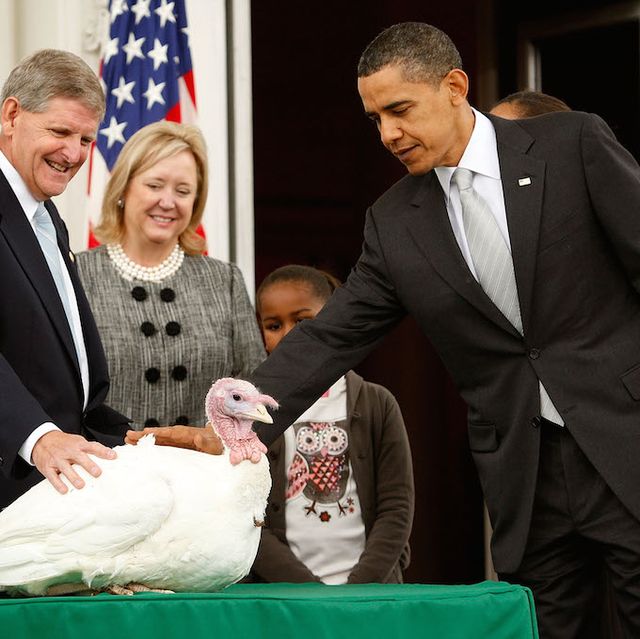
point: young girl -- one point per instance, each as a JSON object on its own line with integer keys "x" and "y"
{"x": 341, "y": 506}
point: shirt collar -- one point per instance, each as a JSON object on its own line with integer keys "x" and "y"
{"x": 28, "y": 203}
{"x": 480, "y": 156}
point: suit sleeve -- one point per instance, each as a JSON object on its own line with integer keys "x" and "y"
{"x": 317, "y": 352}
{"x": 20, "y": 415}
{"x": 613, "y": 180}
{"x": 106, "y": 426}
{"x": 387, "y": 541}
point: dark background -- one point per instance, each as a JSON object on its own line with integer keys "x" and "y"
{"x": 318, "y": 164}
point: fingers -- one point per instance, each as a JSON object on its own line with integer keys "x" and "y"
{"x": 133, "y": 436}
{"x": 174, "y": 436}
{"x": 57, "y": 474}
{"x": 55, "y": 454}
{"x": 207, "y": 441}
{"x": 54, "y": 478}
{"x": 97, "y": 449}
{"x": 177, "y": 436}
{"x": 203, "y": 440}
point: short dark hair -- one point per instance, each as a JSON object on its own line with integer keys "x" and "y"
{"x": 530, "y": 103}
{"x": 424, "y": 53}
{"x": 322, "y": 283}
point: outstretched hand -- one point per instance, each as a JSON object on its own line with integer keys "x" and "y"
{"x": 55, "y": 453}
{"x": 203, "y": 440}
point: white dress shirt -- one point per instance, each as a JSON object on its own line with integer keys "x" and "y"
{"x": 481, "y": 157}
{"x": 29, "y": 205}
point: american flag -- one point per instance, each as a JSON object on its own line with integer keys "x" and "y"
{"x": 147, "y": 74}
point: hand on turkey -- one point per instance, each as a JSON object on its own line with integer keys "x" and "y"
{"x": 203, "y": 440}
{"x": 55, "y": 453}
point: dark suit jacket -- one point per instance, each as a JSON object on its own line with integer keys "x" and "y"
{"x": 39, "y": 373}
{"x": 575, "y": 238}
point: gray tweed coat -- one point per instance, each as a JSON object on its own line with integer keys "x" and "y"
{"x": 166, "y": 342}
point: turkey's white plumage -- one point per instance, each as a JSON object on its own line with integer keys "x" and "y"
{"x": 165, "y": 517}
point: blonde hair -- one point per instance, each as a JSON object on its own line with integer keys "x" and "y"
{"x": 148, "y": 146}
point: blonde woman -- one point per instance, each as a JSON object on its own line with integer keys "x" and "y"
{"x": 171, "y": 319}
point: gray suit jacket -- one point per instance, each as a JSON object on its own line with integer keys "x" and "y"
{"x": 575, "y": 238}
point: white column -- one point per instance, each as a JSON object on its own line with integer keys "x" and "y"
{"x": 58, "y": 24}
{"x": 208, "y": 41}
{"x": 8, "y": 53}
{"x": 71, "y": 19}
{"x": 241, "y": 186}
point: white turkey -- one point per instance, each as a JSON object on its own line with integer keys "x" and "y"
{"x": 156, "y": 518}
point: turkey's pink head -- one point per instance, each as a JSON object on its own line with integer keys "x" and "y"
{"x": 232, "y": 405}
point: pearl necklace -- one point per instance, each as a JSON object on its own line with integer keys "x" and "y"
{"x": 132, "y": 271}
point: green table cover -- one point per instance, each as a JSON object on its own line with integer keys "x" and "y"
{"x": 488, "y": 609}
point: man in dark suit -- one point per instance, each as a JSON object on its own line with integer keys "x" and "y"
{"x": 53, "y": 374}
{"x": 541, "y": 333}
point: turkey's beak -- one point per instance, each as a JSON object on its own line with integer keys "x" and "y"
{"x": 259, "y": 414}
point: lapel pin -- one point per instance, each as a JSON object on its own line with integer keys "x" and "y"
{"x": 524, "y": 181}
{"x": 72, "y": 257}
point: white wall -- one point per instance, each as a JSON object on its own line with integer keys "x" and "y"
{"x": 77, "y": 26}
{"x": 38, "y": 24}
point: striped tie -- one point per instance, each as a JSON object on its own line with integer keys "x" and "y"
{"x": 493, "y": 264}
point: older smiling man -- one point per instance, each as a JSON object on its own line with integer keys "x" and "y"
{"x": 53, "y": 375}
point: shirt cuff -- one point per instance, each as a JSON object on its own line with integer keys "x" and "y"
{"x": 27, "y": 448}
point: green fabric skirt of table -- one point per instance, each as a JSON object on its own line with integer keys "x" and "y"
{"x": 492, "y": 610}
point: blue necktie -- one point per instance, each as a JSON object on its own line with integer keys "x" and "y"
{"x": 46, "y": 234}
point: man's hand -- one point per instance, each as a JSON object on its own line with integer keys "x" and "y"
{"x": 203, "y": 440}
{"x": 55, "y": 452}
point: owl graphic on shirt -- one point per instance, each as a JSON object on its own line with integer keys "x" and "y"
{"x": 320, "y": 467}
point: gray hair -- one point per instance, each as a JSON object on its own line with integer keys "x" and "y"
{"x": 423, "y": 52}
{"x": 51, "y": 73}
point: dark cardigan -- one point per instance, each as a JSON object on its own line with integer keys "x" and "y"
{"x": 381, "y": 462}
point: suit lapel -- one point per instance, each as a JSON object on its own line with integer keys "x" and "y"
{"x": 22, "y": 241}
{"x": 429, "y": 226}
{"x": 98, "y": 374}
{"x": 523, "y": 187}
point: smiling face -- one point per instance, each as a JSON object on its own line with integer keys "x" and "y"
{"x": 158, "y": 204}
{"x": 423, "y": 125}
{"x": 284, "y": 304}
{"x": 47, "y": 149}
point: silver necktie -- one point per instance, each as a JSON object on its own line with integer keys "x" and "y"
{"x": 493, "y": 264}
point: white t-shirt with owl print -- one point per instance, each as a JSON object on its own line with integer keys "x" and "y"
{"x": 324, "y": 522}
